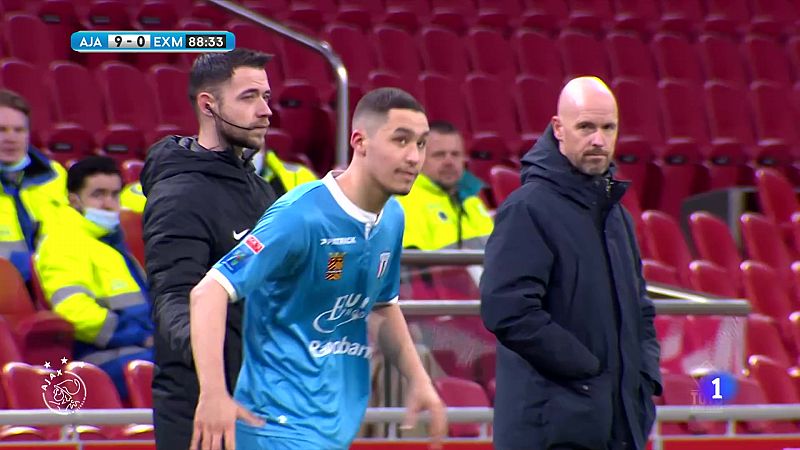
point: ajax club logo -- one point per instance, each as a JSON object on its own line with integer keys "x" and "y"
{"x": 63, "y": 391}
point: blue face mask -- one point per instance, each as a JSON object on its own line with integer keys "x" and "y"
{"x": 108, "y": 220}
{"x": 17, "y": 166}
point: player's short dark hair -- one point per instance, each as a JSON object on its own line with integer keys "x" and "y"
{"x": 211, "y": 69}
{"x": 382, "y": 100}
{"x": 87, "y": 167}
{"x": 11, "y": 99}
{"x": 443, "y": 127}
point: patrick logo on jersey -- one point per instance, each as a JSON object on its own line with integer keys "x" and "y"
{"x": 346, "y": 309}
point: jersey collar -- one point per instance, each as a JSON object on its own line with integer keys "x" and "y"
{"x": 348, "y": 206}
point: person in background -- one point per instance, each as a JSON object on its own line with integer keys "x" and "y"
{"x": 443, "y": 209}
{"x": 563, "y": 292}
{"x": 32, "y": 187}
{"x": 89, "y": 277}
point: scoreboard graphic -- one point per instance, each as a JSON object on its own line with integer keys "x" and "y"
{"x": 152, "y": 41}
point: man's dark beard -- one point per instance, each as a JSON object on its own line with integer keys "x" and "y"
{"x": 233, "y": 139}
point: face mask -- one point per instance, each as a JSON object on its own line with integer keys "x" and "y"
{"x": 17, "y": 166}
{"x": 108, "y": 220}
{"x": 258, "y": 161}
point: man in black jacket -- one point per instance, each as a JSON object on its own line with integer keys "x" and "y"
{"x": 203, "y": 196}
{"x": 577, "y": 356}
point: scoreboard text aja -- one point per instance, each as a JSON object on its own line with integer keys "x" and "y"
{"x": 152, "y": 41}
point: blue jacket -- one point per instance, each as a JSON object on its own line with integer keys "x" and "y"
{"x": 563, "y": 292}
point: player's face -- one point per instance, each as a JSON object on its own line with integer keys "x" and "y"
{"x": 245, "y": 102}
{"x": 395, "y": 151}
{"x": 99, "y": 191}
{"x": 588, "y": 138}
{"x": 444, "y": 159}
{"x": 13, "y": 135}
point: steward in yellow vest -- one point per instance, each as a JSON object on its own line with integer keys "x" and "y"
{"x": 89, "y": 277}
{"x": 32, "y": 188}
{"x": 443, "y": 209}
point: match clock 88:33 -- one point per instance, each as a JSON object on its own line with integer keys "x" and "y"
{"x": 211, "y": 41}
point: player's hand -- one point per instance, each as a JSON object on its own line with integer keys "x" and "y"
{"x": 215, "y": 422}
{"x": 423, "y": 397}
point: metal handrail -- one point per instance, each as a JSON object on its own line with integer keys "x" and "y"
{"x": 324, "y": 49}
{"x": 396, "y": 415}
{"x": 663, "y": 306}
{"x": 466, "y": 257}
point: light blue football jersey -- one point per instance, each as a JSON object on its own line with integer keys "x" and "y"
{"x": 311, "y": 271}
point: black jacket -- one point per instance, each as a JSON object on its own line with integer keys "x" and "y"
{"x": 197, "y": 200}
{"x": 562, "y": 290}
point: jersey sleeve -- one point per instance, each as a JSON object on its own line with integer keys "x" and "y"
{"x": 390, "y": 290}
{"x": 274, "y": 249}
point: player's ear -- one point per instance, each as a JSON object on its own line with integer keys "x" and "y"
{"x": 358, "y": 141}
{"x": 558, "y": 128}
{"x": 206, "y": 103}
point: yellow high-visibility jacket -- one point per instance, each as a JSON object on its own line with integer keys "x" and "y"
{"x": 290, "y": 175}
{"x": 133, "y": 198}
{"x": 87, "y": 281}
{"x": 436, "y": 220}
{"x": 42, "y": 188}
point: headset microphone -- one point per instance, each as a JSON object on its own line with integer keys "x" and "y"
{"x": 229, "y": 123}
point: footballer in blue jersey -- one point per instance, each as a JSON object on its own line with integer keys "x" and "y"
{"x": 321, "y": 265}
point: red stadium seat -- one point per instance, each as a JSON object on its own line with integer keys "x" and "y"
{"x": 629, "y": 56}
{"x": 28, "y": 81}
{"x": 453, "y": 14}
{"x": 713, "y": 242}
{"x": 538, "y": 55}
{"x": 583, "y": 54}
{"x": 776, "y": 132}
{"x": 60, "y": 19}
{"x": 536, "y": 101}
{"x": 352, "y": 45}
{"x": 406, "y": 14}
{"x": 257, "y": 38}
{"x": 22, "y": 385}
{"x": 169, "y": 84}
{"x": 777, "y": 385}
{"x": 593, "y": 16}
{"x": 129, "y": 99}
{"x": 131, "y": 223}
{"x": 545, "y": 15}
{"x": 682, "y": 390}
{"x": 138, "y": 378}
{"x": 676, "y": 58}
{"x": 459, "y": 392}
{"x": 749, "y": 392}
{"x": 104, "y": 395}
{"x": 774, "y": 17}
{"x": 385, "y": 78}
{"x": 491, "y": 54}
{"x": 762, "y": 239}
{"x": 38, "y": 51}
{"x": 8, "y": 353}
{"x": 796, "y": 235}
{"x": 76, "y": 96}
{"x": 636, "y": 15}
{"x": 665, "y": 241}
{"x": 443, "y": 100}
{"x": 763, "y": 338}
{"x": 443, "y": 52}
{"x": 682, "y": 16}
{"x": 504, "y": 180}
{"x": 131, "y": 169}
{"x": 490, "y": 109}
{"x": 722, "y": 60}
{"x": 727, "y": 16}
{"x": 712, "y": 279}
{"x": 778, "y": 200}
{"x": 658, "y": 272}
{"x": 397, "y": 51}
{"x": 766, "y": 295}
{"x": 670, "y": 331}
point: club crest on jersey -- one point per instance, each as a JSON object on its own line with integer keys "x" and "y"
{"x": 335, "y": 266}
{"x": 384, "y": 263}
{"x": 254, "y": 244}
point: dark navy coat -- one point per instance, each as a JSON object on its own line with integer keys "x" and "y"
{"x": 563, "y": 293}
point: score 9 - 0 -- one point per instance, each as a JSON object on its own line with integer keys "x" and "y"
{"x": 129, "y": 41}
